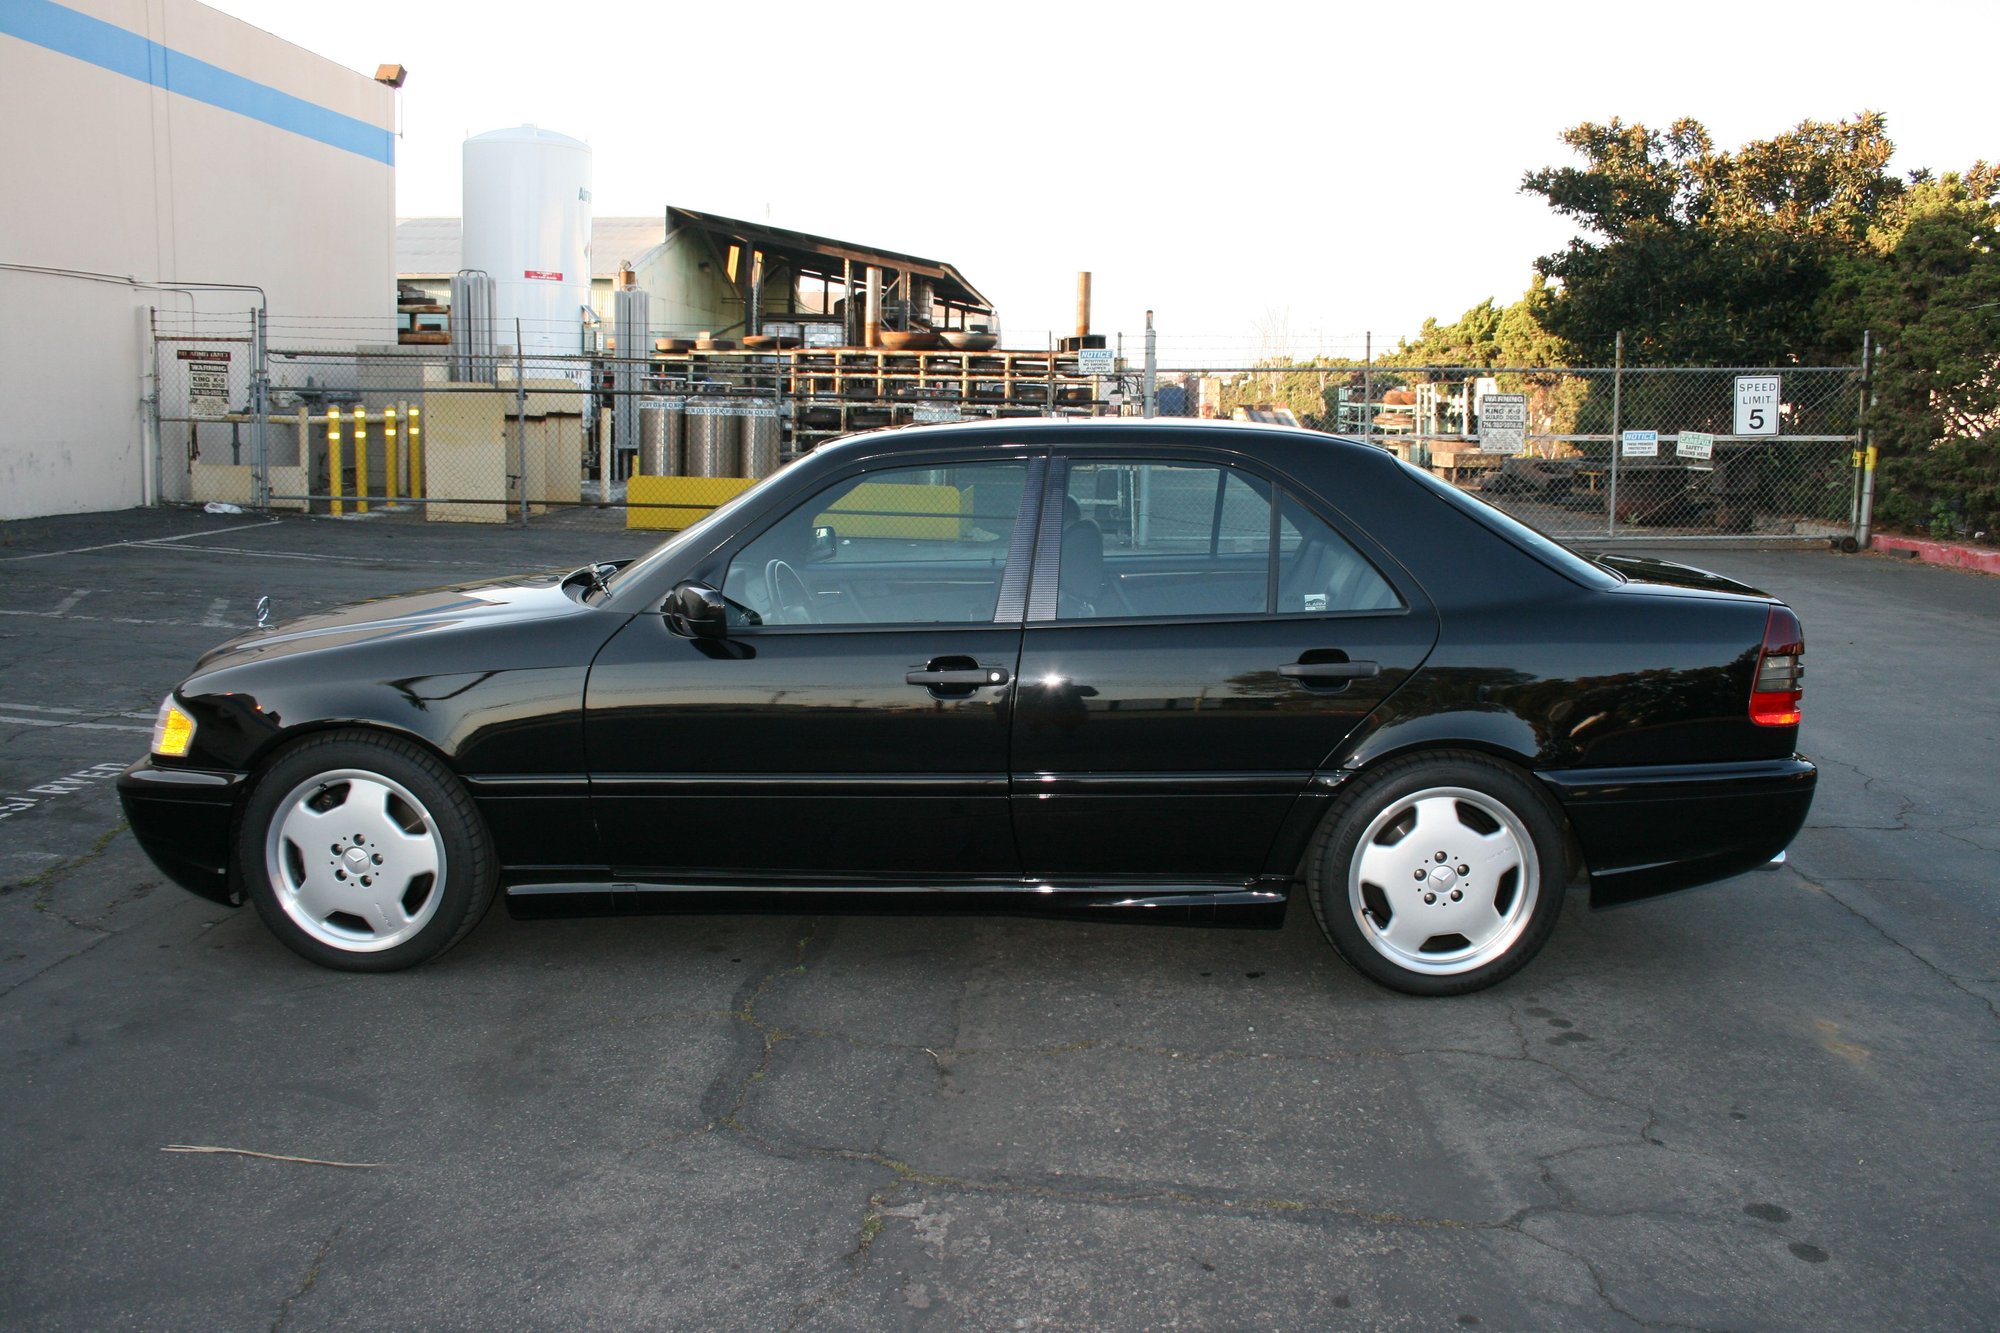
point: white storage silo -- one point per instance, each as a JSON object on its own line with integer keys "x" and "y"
{"x": 527, "y": 223}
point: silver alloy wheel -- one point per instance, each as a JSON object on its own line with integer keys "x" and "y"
{"x": 355, "y": 860}
{"x": 1444, "y": 881}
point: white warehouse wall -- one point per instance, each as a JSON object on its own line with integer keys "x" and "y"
{"x": 164, "y": 142}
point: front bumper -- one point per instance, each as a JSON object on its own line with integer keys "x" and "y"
{"x": 183, "y": 818}
{"x": 1657, "y": 829}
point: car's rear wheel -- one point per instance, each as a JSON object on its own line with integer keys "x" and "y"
{"x": 1439, "y": 874}
{"x": 364, "y": 853}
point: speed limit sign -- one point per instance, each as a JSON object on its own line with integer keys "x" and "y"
{"x": 1756, "y": 405}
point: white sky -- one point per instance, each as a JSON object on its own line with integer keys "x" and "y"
{"x": 1245, "y": 170}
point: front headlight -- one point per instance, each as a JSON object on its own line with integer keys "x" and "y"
{"x": 173, "y": 731}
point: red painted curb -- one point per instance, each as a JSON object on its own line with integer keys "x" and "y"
{"x": 1981, "y": 559}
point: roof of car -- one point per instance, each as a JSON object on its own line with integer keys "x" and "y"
{"x": 1240, "y": 434}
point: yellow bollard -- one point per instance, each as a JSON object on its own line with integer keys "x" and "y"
{"x": 416, "y": 456}
{"x": 392, "y": 459}
{"x": 360, "y": 460}
{"x": 335, "y": 464}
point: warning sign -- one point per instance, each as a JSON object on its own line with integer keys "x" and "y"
{"x": 1503, "y": 423}
{"x": 208, "y": 380}
{"x": 541, "y": 275}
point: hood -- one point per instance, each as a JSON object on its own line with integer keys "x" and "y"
{"x": 493, "y": 601}
{"x": 1648, "y": 569}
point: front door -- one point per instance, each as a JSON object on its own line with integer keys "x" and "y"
{"x": 1206, "y": 643}
{"x": 854, "y": 729}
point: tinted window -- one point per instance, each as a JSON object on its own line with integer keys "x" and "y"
{"x": 1547, "y": 548}
{"x": 903, "y": 546}
{"x": 1176, "y": 539}
{"x": 1318, "y": 570}
{"x": 1163, "y": 539}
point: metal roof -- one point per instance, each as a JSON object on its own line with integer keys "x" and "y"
{"x": 430, "y": 248}
{"x": 822, "y": 254}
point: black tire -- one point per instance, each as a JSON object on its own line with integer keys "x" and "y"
{"x": 1492, "y": 860}
{"x": 400, "y": 870}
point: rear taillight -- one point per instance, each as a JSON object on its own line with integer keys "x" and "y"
{"x": 1781, "y": 671}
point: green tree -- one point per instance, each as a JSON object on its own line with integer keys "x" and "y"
{"x": 1490, "y": 337}
{"x": 1706, "y": 257}
{"x": 1310, "y": 388}
{"x": 1927, "y": 285}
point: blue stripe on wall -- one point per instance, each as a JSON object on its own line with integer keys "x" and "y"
{"x": 108, "y": 46}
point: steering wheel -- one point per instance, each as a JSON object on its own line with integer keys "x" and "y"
{"x": 786, "y": 593}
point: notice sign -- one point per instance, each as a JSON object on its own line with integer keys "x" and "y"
{"x": 1757, "y": 404}
{"x": 1503, "y": 423}
{"x": 1695, "y": 444}
{"x": 1096, "y": 361}
{"x": 208, "y": 381}
{"x": 1642, "y": 443}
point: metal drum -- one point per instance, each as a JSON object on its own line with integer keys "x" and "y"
{"x": 760, "y": 439}
{"x": 713, "y": 448}
{"x": 660, "y": 448}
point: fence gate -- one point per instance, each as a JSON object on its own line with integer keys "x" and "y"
{"x": 208, "y": 424}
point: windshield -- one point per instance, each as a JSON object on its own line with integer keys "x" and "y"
{"x": 1547, "y": 548}
{"x": 692, "y": 535}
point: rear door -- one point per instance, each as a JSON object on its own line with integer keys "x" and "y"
{"x": 1198, "y": 642}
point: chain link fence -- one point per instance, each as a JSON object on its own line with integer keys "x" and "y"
{"x": 297, "y": 421}
{"x": 1587, "y": 453}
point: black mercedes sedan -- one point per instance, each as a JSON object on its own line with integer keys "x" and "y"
{"x": 1166, "y": 671}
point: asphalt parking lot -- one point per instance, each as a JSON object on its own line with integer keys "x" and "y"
{"x": 1767, "y": 1104}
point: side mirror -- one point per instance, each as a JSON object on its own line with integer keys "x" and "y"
{"x": 825, "y": 543}
{"x": 697, "y": 611}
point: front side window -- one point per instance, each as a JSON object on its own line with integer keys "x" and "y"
{"x": 1153, "y": 539}
{"x": 901, "y": 546}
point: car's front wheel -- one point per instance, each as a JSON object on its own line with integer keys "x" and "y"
{"x": 364, "y": 853}
{"x": 1439, "y": 874}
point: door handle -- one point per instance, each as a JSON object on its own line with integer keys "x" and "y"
{"x": 1313, "y": 672}
{"x": 959, "y": 677}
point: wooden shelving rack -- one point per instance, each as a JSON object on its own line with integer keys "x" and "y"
{"x": 836, "y": 391}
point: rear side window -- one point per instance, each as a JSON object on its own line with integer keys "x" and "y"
{"x": 1547, "y": 549}
{"x": 1158, "y": 539}
{"x": 1319, "y": 570}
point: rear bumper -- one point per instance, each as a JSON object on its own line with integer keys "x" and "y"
{"x": 182, "y": 817}
{"x": 1654, "y": 830}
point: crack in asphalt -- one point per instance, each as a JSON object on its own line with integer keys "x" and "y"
{"x": 310, "y": 1280}
{"x": 54, "y": 963}
{"x": 1604, "y": 1292}
{"x": 46, "y": 878}
{"x": 1899, "y": 821}
{"x": 1949, "y": 978}
{"x": 1953, "y": 831}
